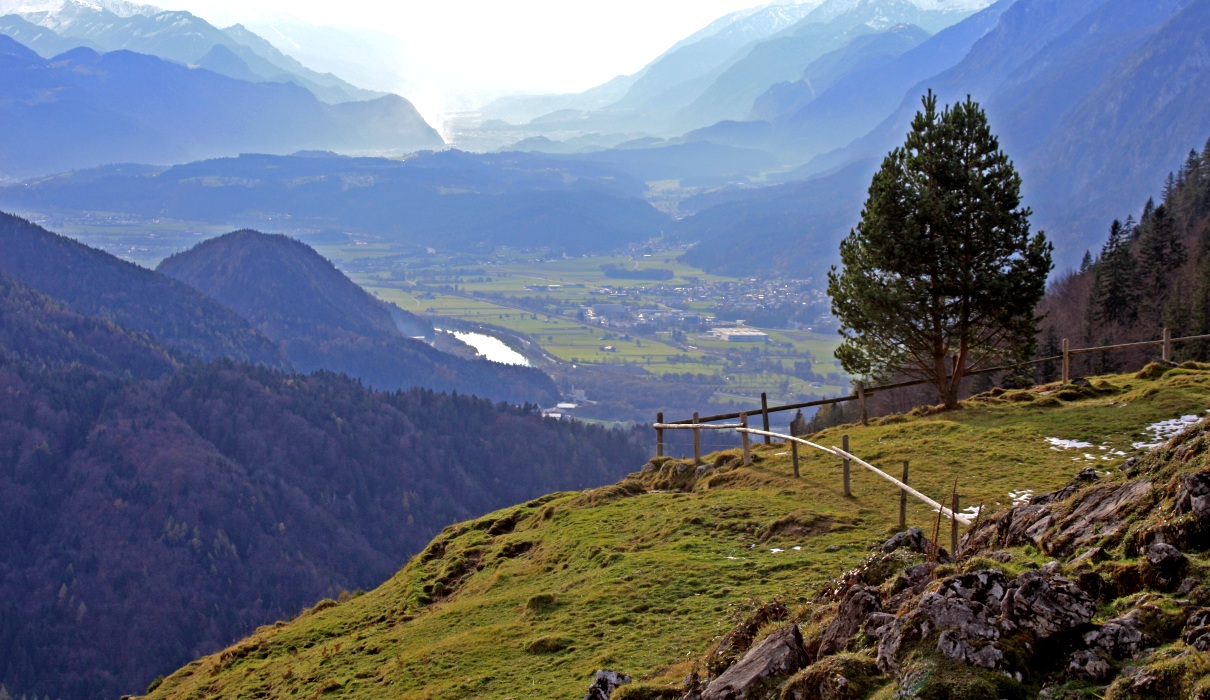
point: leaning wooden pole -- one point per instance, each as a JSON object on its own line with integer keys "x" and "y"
{"x": 743, "y": 420}
{"x": 844, "y": 461}
{"x": 903, "y": 498}
{"x": 697, "y": 442}
{"x": 659, "y": 435}
{"x": 764, "y": 415}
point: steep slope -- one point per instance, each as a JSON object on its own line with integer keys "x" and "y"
{"x": 804, "y": 221}
{"x": 175, "y": 36}
{"x": 786, "y": 55}
{"x": 322, "y": 320}
{"x": 84, "y": 109}
{"x": 1043, "y": 71}
{"x": 39, "y": 332}
{"x": 149, "y": 522}
{"x": 1158, "y": 93}
{"x": 644, "y": 576}
{"x": 860, "y": 100}
{"x": 447, "y": 200}
{"x": 868, "y": 53}
{"x": 645, "y": 100}
{"x": 94, "y": 283}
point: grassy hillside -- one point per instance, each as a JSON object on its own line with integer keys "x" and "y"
{"x": 644, "y": 576}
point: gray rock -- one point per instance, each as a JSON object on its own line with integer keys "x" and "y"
{"x": 1193, "y": 496}
{"x": 1046, "y": 605}
{"x": 964, "y": 609}
{"x": 1197, "y": 630}
{"x": 604, "y": 684}
{"x": 1086, "y": 476}
{"x": 1087, "y": 558}
{"x": 1165, "y": 567}
{"x": 1097, "y": 515}
{"x": 1119, "y": 638}
{"x": 857, "y": 605}
{"x": 961, "y": 646}
{"x": 912, "y": 538}
{"x": 878, "y": 624}
{"x": 916, "y": 577}
{"x": 1162, "y": 556}
{"x": 780, "y": 654}
{"x": 1087, "y": 665}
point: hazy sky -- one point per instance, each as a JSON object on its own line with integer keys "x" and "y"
{"x": 484, "y": 47}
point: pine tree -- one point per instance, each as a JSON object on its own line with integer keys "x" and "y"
{"x": 1086, "y": 263}
{"x": 1161, "y": 251}
{"x": 1115, "y": 286}
{"x": 1169, "y": 188}
{"x": 941, "y": 276}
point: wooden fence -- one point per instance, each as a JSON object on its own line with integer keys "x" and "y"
{"x": 699, "y": 423}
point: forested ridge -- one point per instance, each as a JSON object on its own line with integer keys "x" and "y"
{"x": 156, "y": 507}
{"x": 322, "y": 320}
{"x": 94, "y": 283}
{"x": 1152, "y": 272}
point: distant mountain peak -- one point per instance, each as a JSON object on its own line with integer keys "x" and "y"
{"x": 52, "y": 8}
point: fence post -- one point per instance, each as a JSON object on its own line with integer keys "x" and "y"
{"x": 1167, "y": 353}
{"x": 743, "y": 421}
{"x": 1066, "y": 361}
{"x": 764, "y": 414}
{"x": 844, "y": 440}
{"x": 659, "y": 435}
{"x": 697, "y": 442}
{"x": 794, "y": 452}
{"x": 903, "y": 497}
{"x": 954, "y": 528}
{"x": 865, "y": 417}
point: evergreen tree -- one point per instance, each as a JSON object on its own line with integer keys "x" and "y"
{"x": 941, "y": 276}
{"x": 1161, "y": 251}
{"x": 1086, "y": 263}
{"x": 1169, "y": 188}
{"x": 1115, "y": 286}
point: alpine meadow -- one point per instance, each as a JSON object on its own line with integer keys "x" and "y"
{"x": 726, "y": 350}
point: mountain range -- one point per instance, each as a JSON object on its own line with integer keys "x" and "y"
{"x": 257, "y": 299}
{"x": 180, "y": 37}
{"x": 322, "y": 320}
{"x": 1093, "y": 100}
{"x": 446, "y": 200}
{"x": 84, "y": 109}
{"x": 161, "y": 496}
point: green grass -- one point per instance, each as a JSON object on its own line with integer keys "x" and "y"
{"x": 640, "y": 577}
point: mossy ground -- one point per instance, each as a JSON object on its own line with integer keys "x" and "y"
{"x": 532, "y": 600}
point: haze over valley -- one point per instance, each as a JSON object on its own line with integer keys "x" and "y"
{"x": 256, "y": 259}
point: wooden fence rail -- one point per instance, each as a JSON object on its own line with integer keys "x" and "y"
{"x": 699, "y": 423}
{"x": 861, "y": 391}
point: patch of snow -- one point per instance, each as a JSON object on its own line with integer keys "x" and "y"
{"x": 1061, "y": 444}
{"x": 1019, "y": 497}
{"x": 1162, "y": 431}
{"x": 797, "y": 548}
{"x": 775, "y": 550}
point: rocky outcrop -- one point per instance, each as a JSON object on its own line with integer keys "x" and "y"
{"x": 1193, "y": 496}
{"x": 604, "y": 684}
{"x": 780, "y": 654}
{"x": 1197, "y": 630}
{"x": 858, "y": 604}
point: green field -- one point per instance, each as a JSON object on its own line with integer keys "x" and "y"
{"x": 539, "y": 298}
{"x": 643, "y": 577}
{"x": 501, "y": 293}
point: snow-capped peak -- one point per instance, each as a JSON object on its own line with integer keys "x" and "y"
{"x": 51, "y": 8}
